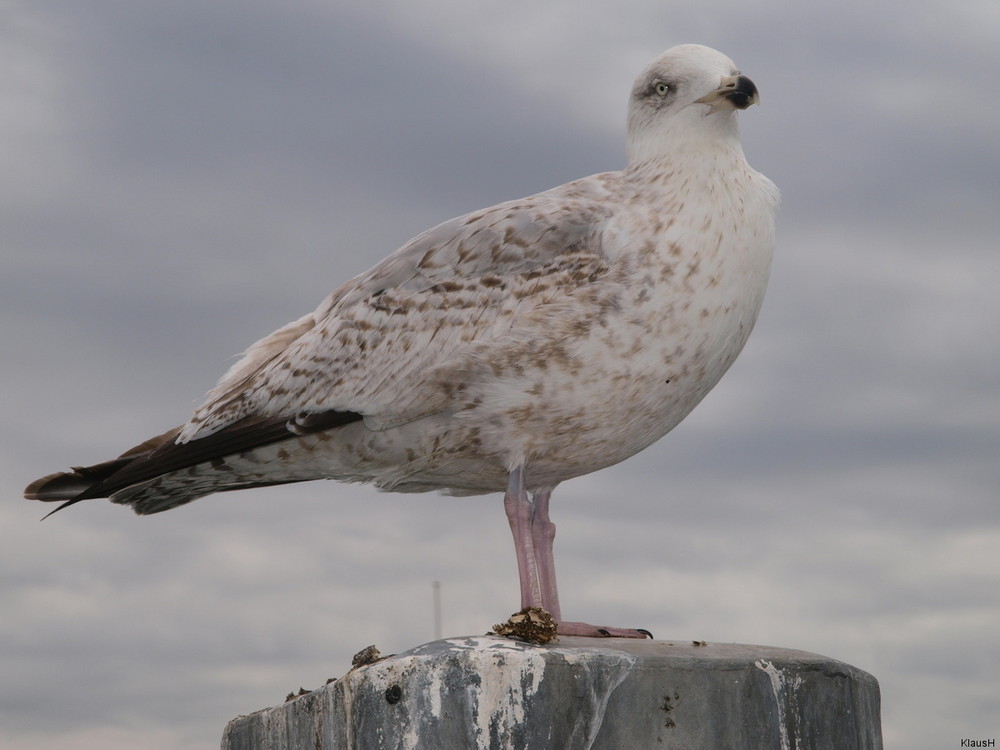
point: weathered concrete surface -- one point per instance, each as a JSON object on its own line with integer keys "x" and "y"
{"x": 579, "y": 694}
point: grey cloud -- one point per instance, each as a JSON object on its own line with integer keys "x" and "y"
{"x": 194, "y": 175}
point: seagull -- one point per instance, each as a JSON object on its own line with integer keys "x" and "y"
{"x": 506, "y": 350}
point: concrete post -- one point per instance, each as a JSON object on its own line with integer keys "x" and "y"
{"x": 493, "y": 693}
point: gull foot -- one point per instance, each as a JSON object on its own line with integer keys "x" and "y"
{"x": 531, "y": 624}
{"x": 598, "y": 631}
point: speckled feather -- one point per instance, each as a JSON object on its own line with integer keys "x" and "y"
{"x": 377, "y": 344}
{"x": 562, "y": 332}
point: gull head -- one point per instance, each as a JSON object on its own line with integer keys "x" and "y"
{"x": 686, "y": 100}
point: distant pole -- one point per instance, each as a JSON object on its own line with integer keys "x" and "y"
{"x": 437, "y": 611}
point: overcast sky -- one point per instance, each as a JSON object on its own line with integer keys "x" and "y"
{"x": 181, "y": 178}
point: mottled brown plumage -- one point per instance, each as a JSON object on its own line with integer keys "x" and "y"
{"x": 506, "y": 350}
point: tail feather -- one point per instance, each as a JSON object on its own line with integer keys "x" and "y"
{"x": 83, "y": 482}
{"x": 66, "y": 485}
{"x": 132, "y": 478}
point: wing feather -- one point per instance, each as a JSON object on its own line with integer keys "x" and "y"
{"x": 372, "y": 344}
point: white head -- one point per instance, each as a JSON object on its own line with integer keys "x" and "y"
{"x": 686, "y": 97}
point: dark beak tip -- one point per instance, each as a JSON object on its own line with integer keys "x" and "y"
{"x": 739, "y": 100}
{"x": 744, "y": 94}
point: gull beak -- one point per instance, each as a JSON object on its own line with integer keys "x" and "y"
{"x": 736, "y": 92}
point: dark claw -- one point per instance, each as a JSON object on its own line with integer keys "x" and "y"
{"x": 646, "y": 633}
{"x": 604, "y": 632}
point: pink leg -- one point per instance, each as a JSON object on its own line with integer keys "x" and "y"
{"x": 543, "y": 532}
{"x": 519, "y": 511}
{"x": 534, "y": 533}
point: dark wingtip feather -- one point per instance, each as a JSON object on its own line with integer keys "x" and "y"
{"x": 85, "y": 482}
{"x": 161, "y": 455}
{"x": 70, "y": 486}
{"x": 63, "y": 485}
{"x": 60, "y": 507}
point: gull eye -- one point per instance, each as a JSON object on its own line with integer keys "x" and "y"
{"x": 661, "y": 88}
